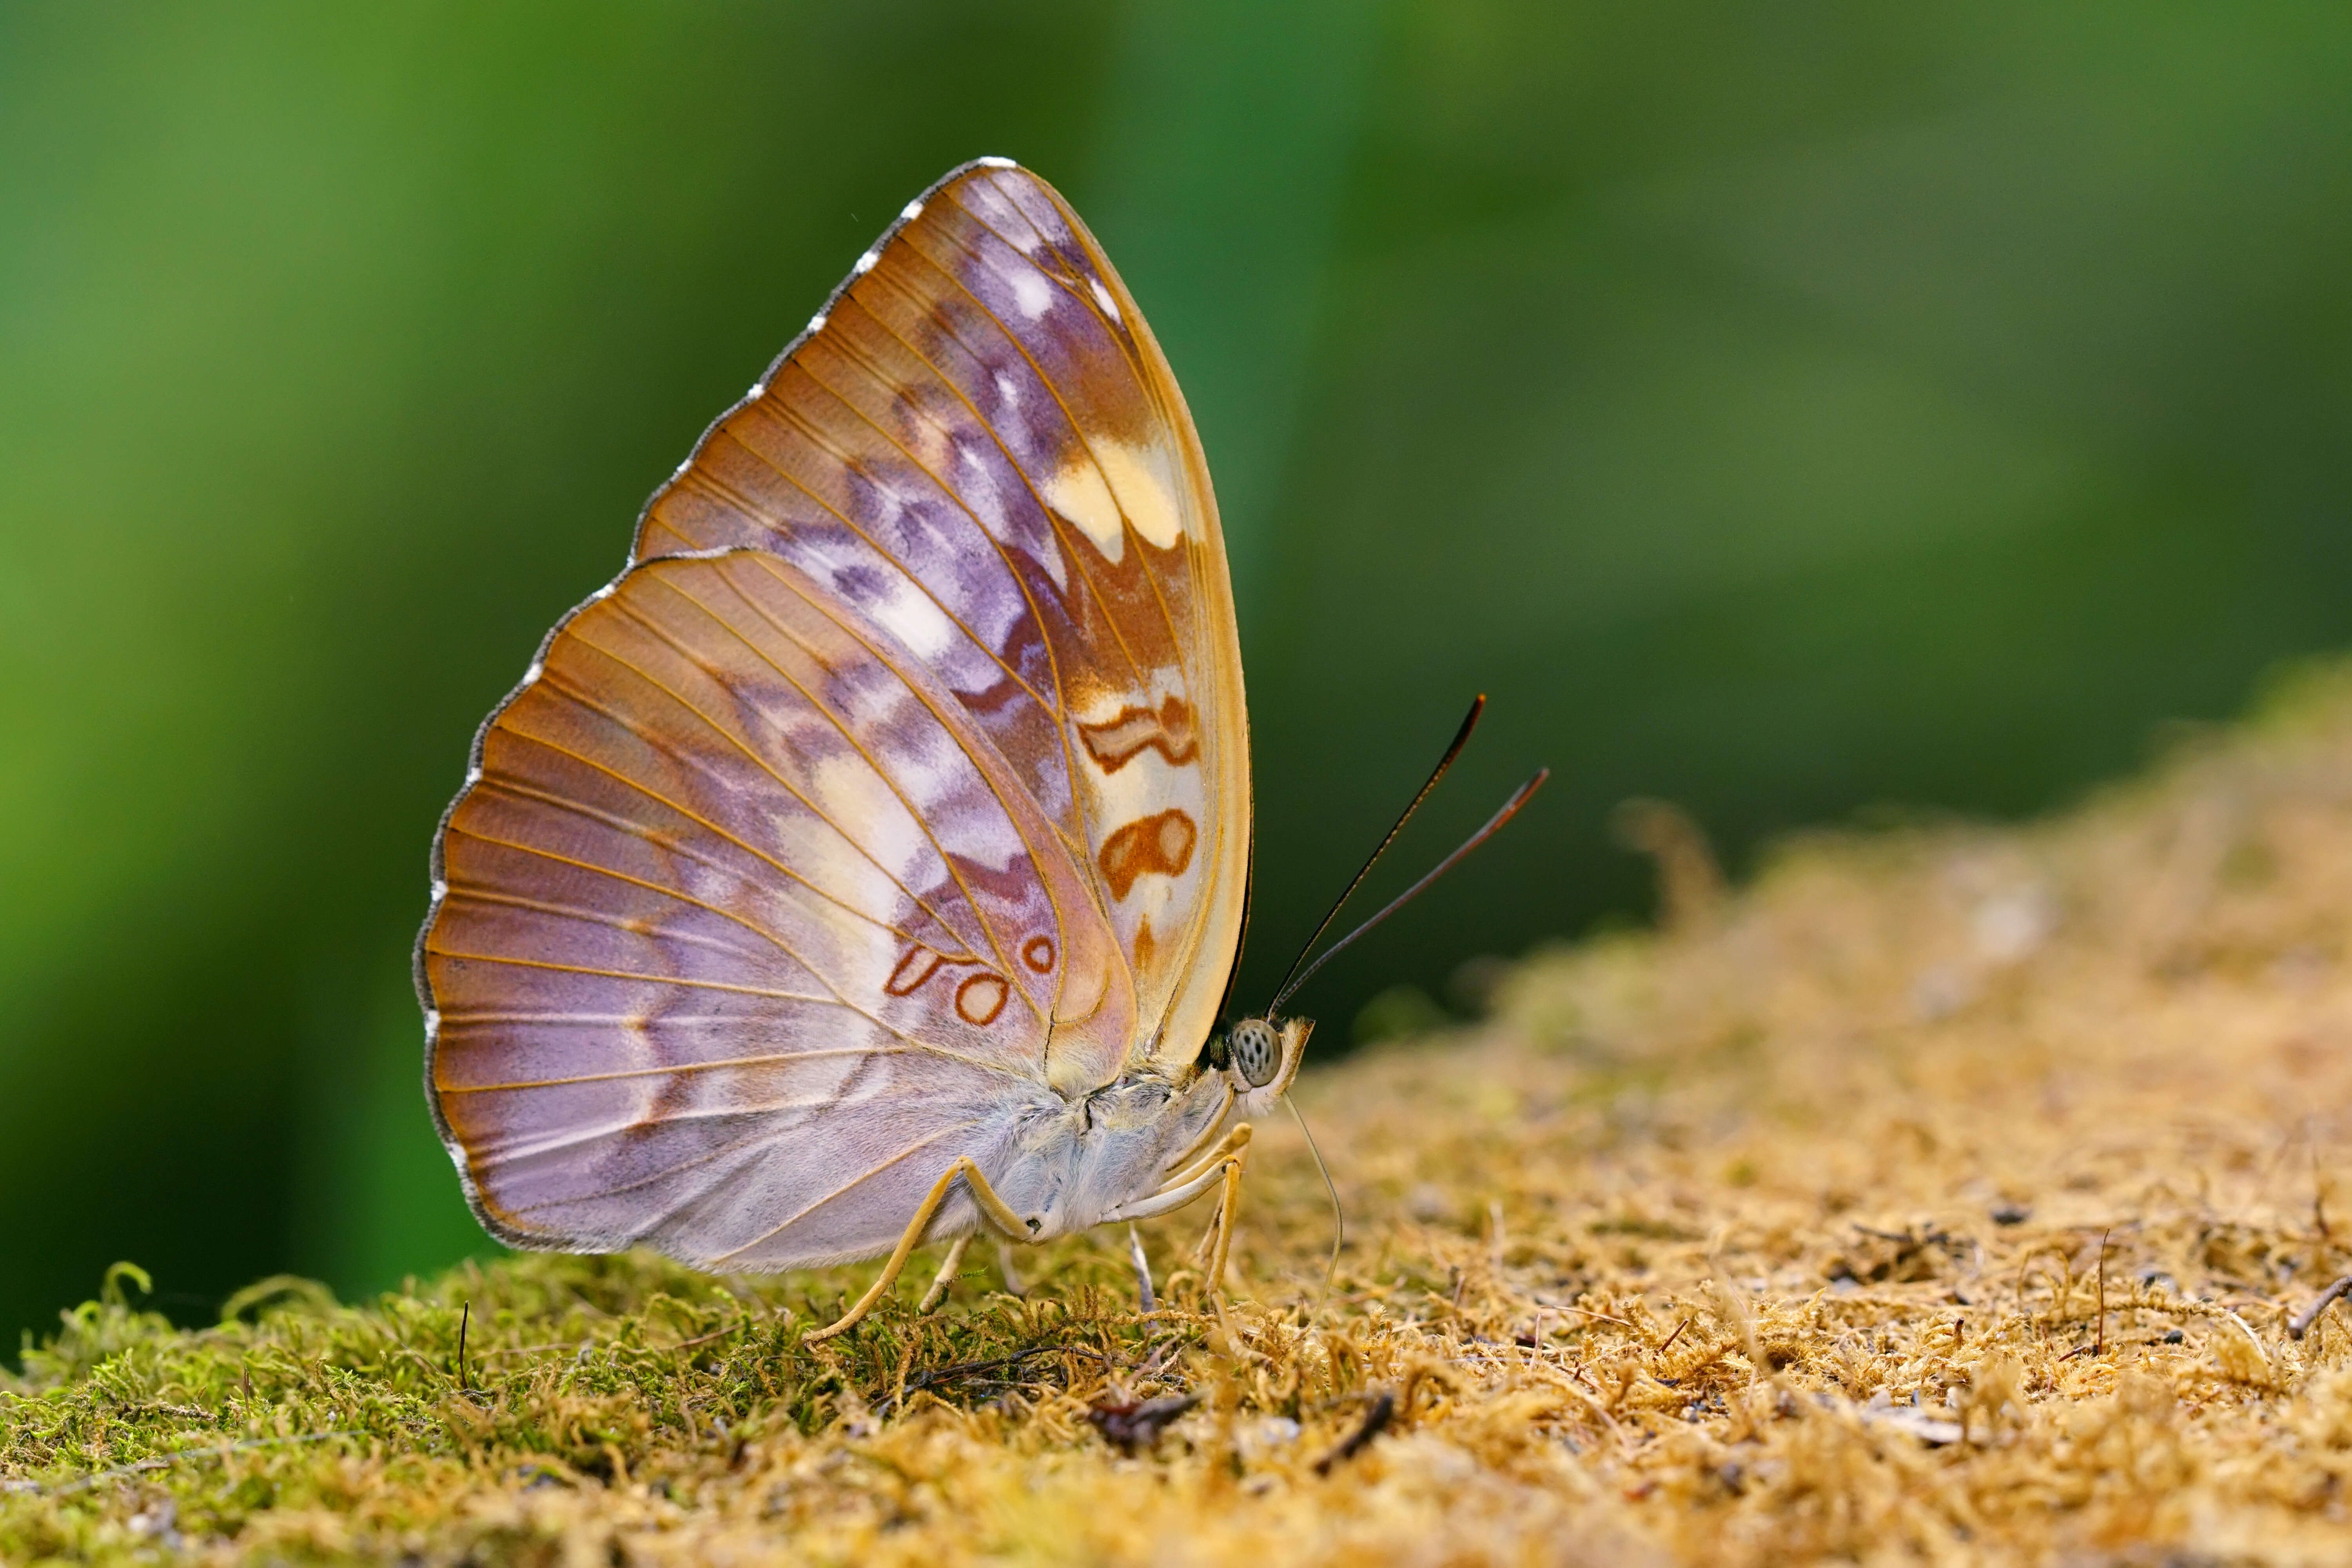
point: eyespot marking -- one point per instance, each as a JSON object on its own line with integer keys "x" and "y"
{"x": 979, "y": 999}
{"x": 1037, "y": 952}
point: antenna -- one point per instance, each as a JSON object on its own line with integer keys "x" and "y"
{"x": 1519, "y": 797}
{"x": 1461, "y": 739}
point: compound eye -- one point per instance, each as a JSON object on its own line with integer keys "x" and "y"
{"x": 1257, "y": 1051}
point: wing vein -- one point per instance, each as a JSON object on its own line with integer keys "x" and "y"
{"x": 766, "y": 1059}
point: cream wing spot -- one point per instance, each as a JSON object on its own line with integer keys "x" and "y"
{"x": 1139, "y": 479}
{"x": 1076, "y": 491}
{"x": 884, "y": 856}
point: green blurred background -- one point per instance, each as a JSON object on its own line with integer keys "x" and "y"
{"x": 1780, "y": 407}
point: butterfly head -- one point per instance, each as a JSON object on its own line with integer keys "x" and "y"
{"x": 1261, "y": 1055}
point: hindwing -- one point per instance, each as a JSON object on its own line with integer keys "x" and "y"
{"x": 741, "y": 926}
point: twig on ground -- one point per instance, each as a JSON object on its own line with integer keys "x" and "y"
{"x": 719, "y": 1333}
{"x": 1131, "y": 1424}
{"x": 2103, "y": 1291}
{"x": 2300, "y": 1324}
{"x": 938, "y": 1375}
{"x": 1384, "y": 1409}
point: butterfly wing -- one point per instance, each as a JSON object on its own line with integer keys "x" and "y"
{"x": 743, "y": 933}
{"x": 927, "y": 676}
{"x": 979, "y": 444}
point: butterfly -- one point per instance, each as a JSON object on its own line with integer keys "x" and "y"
{"x": 865, "y": 866}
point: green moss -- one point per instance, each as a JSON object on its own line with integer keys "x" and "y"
{"x": 574, "y": 1369}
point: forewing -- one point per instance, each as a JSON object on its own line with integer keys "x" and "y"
{"x": 743, "y": 931}
{"x": 980, "y": 446}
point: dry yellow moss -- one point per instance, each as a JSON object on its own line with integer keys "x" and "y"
{"x": 1944, "y": 1198}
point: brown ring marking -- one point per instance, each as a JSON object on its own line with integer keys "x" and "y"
{"x": 983, "y": 1009}
{"x": 1037, "y": 952}
{"x": 901, "y": 983}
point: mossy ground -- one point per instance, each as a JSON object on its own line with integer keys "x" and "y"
{"x": 1783, "y": 1237}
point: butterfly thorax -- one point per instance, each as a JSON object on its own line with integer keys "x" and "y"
{"x": 1076, "y": 1162}
{"x": 1120, "y": 1142}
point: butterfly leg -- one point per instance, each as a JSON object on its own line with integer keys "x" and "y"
{"x": 1190, "y": 1177}
{"x": 946, "y": 1276}
{"x": 993, "y": 1209}
{"x": 1222, "y": 1165}
{"x": 1220, "y": 1224}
